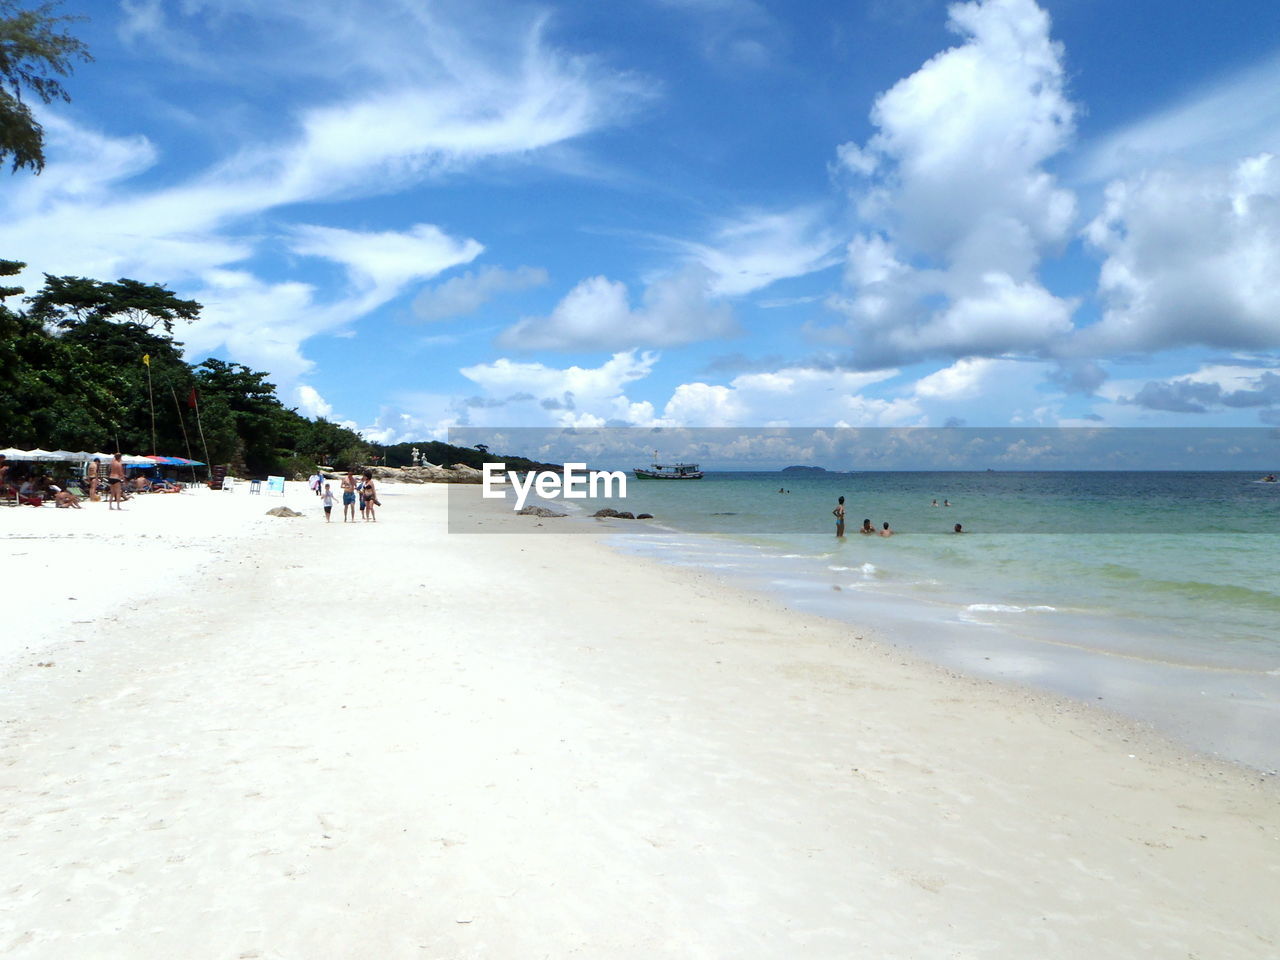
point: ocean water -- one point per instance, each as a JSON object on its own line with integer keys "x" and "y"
{"x": 1157, "y": 593}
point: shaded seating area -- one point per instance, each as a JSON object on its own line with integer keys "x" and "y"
{"x": 38, "y": 476}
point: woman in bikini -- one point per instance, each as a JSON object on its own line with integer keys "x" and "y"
{"x": 369, "y": 497}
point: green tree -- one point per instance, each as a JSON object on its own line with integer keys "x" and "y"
{"x": 34, "y": 51}
{"x": 118, "y": 324}
{"x": 239, "y": 402}
{"x": 67, "y": 301}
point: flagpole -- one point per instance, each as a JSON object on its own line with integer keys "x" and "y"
{"x": 181, "y": 421}
{"x": 183, "y": 424}
{"x": 207, "y": 465}
{"x": 146, "y": 360}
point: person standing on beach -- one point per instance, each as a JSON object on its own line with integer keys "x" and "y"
{"x": 349, "y": 496}
{"x": 92, "y": 472}
{"x": 115, "y": 482}
{"x": 326, "y": 498}
{"x": 369, "y": 497}
{"x": 838, "y": 513}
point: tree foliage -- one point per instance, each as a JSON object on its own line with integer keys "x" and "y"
{"x": 35, "y": 50}
{"x": 73, "y": 377}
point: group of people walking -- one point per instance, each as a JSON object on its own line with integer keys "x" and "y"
{"x": 363, "y": 489}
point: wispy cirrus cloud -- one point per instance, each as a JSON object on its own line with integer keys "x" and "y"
{"x": 1232, "y": 118}
{"x": 465, "y": 294}
{"x": 758, "y": 248}
{"x": 424, "y": 95}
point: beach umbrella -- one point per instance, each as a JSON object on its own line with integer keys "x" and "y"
{"x": 38, "y": 454}
{"x": 13, "y": 453}
{"x": 61, "y": 455}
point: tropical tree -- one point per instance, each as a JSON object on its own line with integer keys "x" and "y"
{"x": 34, "y": 51}
{"x": 67, "y": 301}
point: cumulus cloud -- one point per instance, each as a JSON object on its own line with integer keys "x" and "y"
{"x": 467, "y": 293}
{"x": 960, "y": 206}
{"x": 580, "y": 396}
{"x": 597, "y": 315}
{"x": 310, "y": 403}
{"x": 792, "y": 396}
{"x": 1192, "y": 257}
{"x": 1209, "y": 388}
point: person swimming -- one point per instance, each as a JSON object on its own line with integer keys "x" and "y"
{"x": 958, "y": 529}
{"x": 867, "y": 527}
{"x": 886, "y": 532}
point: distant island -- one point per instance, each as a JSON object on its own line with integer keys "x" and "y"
{"x": 798, "y": 469}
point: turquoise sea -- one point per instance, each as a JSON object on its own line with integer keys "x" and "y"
{"x": 1157, "y": 593}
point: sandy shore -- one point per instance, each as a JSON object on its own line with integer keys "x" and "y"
{"x": 302, "y": 740}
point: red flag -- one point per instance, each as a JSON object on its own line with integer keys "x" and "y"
{"x": 191, "y": 397}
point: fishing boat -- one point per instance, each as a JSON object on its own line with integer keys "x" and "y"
{"x": 669, "y": 471}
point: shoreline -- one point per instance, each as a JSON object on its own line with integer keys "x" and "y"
{"x": 505, "y": 744}
{"x": 1195, "y": 698}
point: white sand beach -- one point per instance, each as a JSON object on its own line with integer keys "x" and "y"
{"x": 250, "y": 737}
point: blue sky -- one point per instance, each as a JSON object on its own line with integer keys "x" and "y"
{"x": 689, "y": 212}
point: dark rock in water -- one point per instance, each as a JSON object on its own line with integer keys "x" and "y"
{"x": 644, "y": 516}
{"x": 532, "y": 511}
{"x": 606, "y": 512}
{"x": 282, "y": 512}
{"x": 625, "y": 515}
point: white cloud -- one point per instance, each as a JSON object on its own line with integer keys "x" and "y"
{"x": 572, "y": 396}
{"x": 1236, "y": 117}
{"x": 597, "y": 315}
{"x": 310, "y": 403}
{"x": 389, "y": 259}
{"x": 988, "y": 391}
{"x": 962, "y": 210}
{"x": 424, "y": 94}
{"x": 792, "y": 396}
{"x": 1191, "y": 258}
{"x": 752, "y": 252}
{"x": 963, "y": 380}
{"x": 465, "y": 294}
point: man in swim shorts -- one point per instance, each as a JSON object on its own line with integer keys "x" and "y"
{"x": 349, "y": 496}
